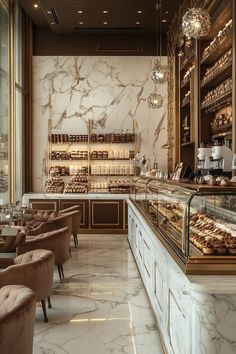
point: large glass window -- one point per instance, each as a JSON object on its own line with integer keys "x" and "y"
{"x": 20, "y": 97}
{"x": 20, "y": 44}
{"x": 4, "y": 105}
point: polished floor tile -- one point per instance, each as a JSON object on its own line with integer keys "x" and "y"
{"x": 102, "y": 307}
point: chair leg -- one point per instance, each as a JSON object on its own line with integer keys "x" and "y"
{"x": 62, "y": 271}
{"x": 44, "y": 311}
{"x": 59, "y": 272}
{"x": 75, "y": 236}
{"x": 70, "y": 252}
{"x": 49, "y": 303}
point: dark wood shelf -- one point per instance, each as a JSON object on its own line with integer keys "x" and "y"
{"x": 224, "y": 45}
{"x": 187, "y": 143}
{"x": 186, "y": 83}
{"x": 219, "y": 77}
{"x": 186, "y": 104}
{"x": 188, "y": 61}
{"x": 222, "y": 131}
{"x": 218, "y": 103}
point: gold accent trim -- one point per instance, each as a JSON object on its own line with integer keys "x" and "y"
{"x": 105, "y": 203}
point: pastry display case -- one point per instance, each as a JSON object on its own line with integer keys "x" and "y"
{"x": 196, "y": 223}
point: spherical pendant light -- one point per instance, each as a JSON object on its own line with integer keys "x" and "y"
{"x": 160, "y": 73}
{"x": 196, "y": 23}
{"x": 155, "y": 100}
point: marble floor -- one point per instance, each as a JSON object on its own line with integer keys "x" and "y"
{"x": 102, "y": 307}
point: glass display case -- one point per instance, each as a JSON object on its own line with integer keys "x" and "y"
{"x": 196, "y": 223}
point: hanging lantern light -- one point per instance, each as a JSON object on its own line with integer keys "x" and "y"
{"x": 196, "y": 23}
{"x": 160, "y": 73}
{"x": 155, "y": 100}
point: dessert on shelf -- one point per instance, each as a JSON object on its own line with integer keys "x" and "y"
{"x": 54, "y": 183}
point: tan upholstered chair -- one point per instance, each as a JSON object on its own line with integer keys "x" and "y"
{"x": 54, "y": 223}
{"x": 76, "y": 220}
{"x": 17, "y": 316}
{"x": 49, "y": 216}
{"x": 57, "y": 241}
{"x": 33, "y": 269}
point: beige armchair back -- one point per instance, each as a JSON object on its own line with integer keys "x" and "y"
{"x": 57, "y": 241}
{"x": 17, "y": 317}
{"x": 33, "y": 269}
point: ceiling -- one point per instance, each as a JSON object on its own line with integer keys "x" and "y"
{"x": 99, "y": 16}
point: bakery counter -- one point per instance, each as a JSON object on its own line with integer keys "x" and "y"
{"x": 100, "y": 212}
{"x": 196, "y": 313}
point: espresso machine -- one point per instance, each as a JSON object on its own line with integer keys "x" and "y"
{"x": 203, "y": 159}
{"x": 221, "y": 159}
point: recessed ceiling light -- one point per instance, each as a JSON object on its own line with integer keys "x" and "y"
{"x": 138, "y": 23}
{"x": 52, "y": 23}
{"x": 36, "y": 6}
{"x": 81, "y": 22}
{"x": 105, "y": 23}
{"x": 49, "y": 12}
{"x": 166, "y": 12}
{"x": 105, "y": 11}
{"x": 164, "y": 21}
{"x": 139, "y": 11}
{"x": 80, "y": 12}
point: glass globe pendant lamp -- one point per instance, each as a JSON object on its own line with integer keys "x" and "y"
{"x": 159, "y": 73}
{"x": 155, "y": 100}
{"x": 196, "y": 23}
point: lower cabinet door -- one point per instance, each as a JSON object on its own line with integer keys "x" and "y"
{"x": 107, "y": 214}
{"x": 42, "y": 204}
{"x": 84, "y": 209}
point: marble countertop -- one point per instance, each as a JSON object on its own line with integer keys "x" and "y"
{"x": 88, "y": 196}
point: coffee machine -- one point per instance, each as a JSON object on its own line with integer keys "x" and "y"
{"x": 203, "y": 158}
{"x": 221, "y": 158}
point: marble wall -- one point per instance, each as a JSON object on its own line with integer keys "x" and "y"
{"x": 111, "y": 91}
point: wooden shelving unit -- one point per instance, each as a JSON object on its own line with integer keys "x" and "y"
{"x": 218, "y": 108}
{"x": 209, "y": 113}
{"x": 186, "y": 78}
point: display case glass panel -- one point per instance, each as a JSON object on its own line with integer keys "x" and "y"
{"x": 197, "y": 223}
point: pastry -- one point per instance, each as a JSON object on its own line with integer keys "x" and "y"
{"x": 208, "y": 248}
